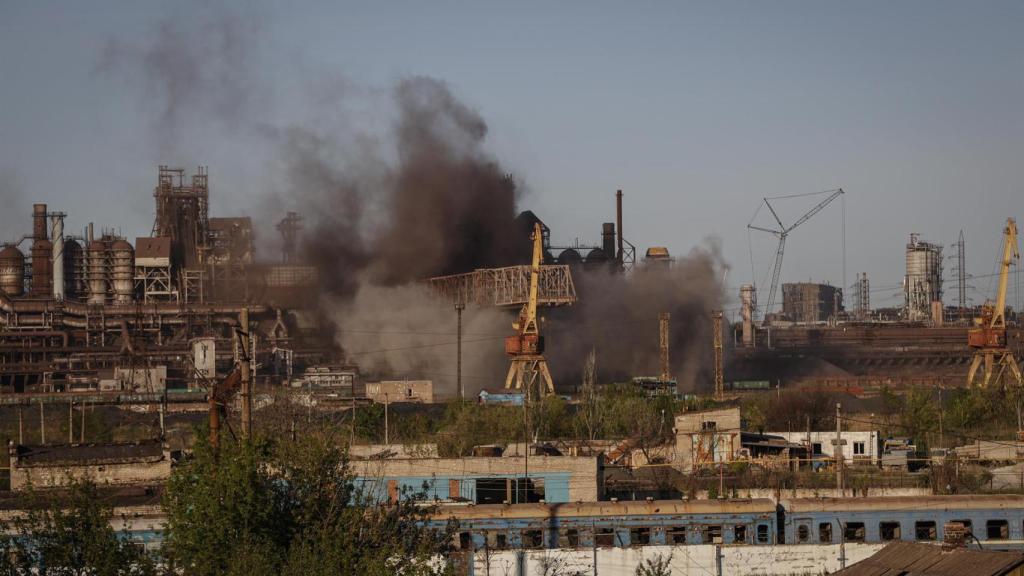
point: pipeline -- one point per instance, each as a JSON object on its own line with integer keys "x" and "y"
{"x": 39, "y": 334}
{"x": 163, "y": 309}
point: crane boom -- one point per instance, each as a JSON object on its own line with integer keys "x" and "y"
{"x": 1010, "y": 254}
{"x": 988, "y": 339}
{"x": 782, "y": 233}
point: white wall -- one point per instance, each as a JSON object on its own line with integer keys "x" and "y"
{"x": 685, "y": 560}
{"x": 870, "y": 440}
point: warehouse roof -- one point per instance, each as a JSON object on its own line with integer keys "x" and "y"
{"x": 913, "y": 559}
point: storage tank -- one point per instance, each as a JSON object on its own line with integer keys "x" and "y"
{"x": 569, "y": 256}
{"x": 122, "y": 258}
{"x": 12, "y": 271}
{"x": 97, "y": 272}
{"x": 597, "y": 256}
{"x": 923, "y": 283}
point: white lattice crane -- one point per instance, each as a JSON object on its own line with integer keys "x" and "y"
{"x": 783, "y": 232}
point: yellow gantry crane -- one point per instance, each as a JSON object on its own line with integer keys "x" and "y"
{"x": 988, "y": 339}
{"x": 529, "y": 370}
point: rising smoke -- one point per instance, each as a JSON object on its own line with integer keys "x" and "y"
{"x": 386, "y": 209}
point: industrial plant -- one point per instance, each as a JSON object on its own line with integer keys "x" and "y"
{"x": 323, "y": 315}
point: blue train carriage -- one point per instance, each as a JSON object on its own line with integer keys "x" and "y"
{"x": 996, "y": 521}
{"x": 612, "y": 524}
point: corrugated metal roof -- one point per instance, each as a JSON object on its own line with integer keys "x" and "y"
{"x": 914, "y": 559}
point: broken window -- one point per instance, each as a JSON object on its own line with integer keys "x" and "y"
{"x": 967, "y": 525}
{"x": 711, "y": 534}
{"x": 854, "y": 532}
{"x": 492, "y": 490}
{"x": 825, "y": 532}
{"x": 762, "y": 533}
{"x": 803, "y": 533}
{"x": 676, "y": 535}
{"x": 497, "y": 539}
{"x": 739, "y": 533}
{"x": 889, "y": 530}
{"x": 925, "y": 530}
{"x": 533, "y": 538}
{"x": 465, "y": 541}
{"x": 640, "y": 536}
{"x": 605, "y": 537}
{"x": 569, "y": 538}
{"x": 997, "y": 529}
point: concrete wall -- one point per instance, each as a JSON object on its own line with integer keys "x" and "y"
{"x": 702, "y": 560}
{"x": 156, "y": 471}
{"x": 566, "y": 478}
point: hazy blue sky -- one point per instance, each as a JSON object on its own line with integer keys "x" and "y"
{"x": 696, "y": 110}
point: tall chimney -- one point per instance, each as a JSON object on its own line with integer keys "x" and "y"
{"x": 618, "y": 225}
{"x": 58, "y": 256}
{"x": 39, "y": 222}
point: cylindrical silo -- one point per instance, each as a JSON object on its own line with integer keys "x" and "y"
{"x": 122, "y": 257}
{"x": 97, "y": 275}
{"x": 57, "y": 243}
{"x": 12, "y": 271}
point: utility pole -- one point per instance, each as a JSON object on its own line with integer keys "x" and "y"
{"x": 719, "y": 376}
{"x": 21, "y": 427}
{"x": 387, "y": 437}
{"x": 458, "y": 351}
{"x": 246, "y": 366}
{"x": 81, "y": 432}
{"x": 838, "y": 443}
{"x": 71, "y": 421}
{"x": 663, "y": 320}
{"x": 42, "y": 424}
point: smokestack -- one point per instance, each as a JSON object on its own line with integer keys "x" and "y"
{"x": 608, "y": 240}
{"x": 618, "y": 225}
{"x": 58, "y": 256}
{"x": 39, "y": 221}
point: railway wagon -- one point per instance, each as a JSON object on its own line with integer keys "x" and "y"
{"x": 994, "y": 521}
{"x": 612, "y": 524}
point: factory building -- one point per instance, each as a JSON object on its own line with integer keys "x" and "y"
{"x": 482, "y": 480}
{"x": 93, "y": 291}
{"x": 922, "y": 286}
{"x": 49, "y": 466}
{"x": 808, "y": 302}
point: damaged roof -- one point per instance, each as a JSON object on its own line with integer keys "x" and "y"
{"x": 913, "y": 559}
{"x": 89, "y": 454}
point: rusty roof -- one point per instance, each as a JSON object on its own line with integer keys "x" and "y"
{"x": 906, "y": 503}
{"x": 155, "y": 247}
{"x": 89, "y": 454}
{"x": 625, "y": 508}
{"x": 915, "y": 559}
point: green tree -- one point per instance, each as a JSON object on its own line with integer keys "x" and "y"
{"x": 69, "y": 534}
{"x": 290, "y": 508}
